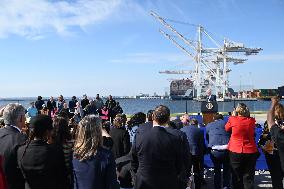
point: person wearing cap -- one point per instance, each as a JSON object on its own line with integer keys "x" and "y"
{"x": 10, "y": 138}
{"x": 42, "y": 165}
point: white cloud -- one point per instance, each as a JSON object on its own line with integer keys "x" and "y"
{"x": 34, "y": 18}
{"x": 154, "y": 58}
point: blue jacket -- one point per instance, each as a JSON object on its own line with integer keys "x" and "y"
{"x": 217, "y": 134}
{"x": 97, "y": 172}
{"x": 195, "y": 139}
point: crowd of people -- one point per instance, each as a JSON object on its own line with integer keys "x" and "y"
{"x": 91, "y": 144}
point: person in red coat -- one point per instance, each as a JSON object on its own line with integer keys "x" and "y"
{"x": 242, "y": 148}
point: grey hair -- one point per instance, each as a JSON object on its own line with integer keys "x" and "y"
{"x": 12, "y": 113}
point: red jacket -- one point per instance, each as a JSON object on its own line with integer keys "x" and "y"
{"x": 242, "y": 138}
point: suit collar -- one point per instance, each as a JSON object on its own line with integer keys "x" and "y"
{"x": 12, "y": 128}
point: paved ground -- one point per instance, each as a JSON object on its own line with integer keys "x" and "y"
{"x": 262, "y": 180}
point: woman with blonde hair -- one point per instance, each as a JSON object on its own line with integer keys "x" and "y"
{"x": 94, "y": 166}
{"x": 242, "y": 148}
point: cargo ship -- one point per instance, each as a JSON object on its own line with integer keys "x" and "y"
{"x": 181, "y": 89}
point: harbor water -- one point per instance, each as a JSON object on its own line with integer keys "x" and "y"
{"x": 131, "y": 106}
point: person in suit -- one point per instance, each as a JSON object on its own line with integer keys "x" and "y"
{"x": 149, "y": 122}
{"x": 218, "y": 139}
{"x": 42, "y": 165}
{"x": 10, "y": 138}
{"x": 187, "y": 156}
{"x": 120, "y": 137}
{"x": 195, "y": 139}
{"x": 94, "y": 166}
{"x": 157, "y": 154}
{"x": 210, "y": 97}
{"x": 242, "y": 148}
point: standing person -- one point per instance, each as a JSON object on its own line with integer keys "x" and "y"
{"x": 94, "y": 166}
{"x": 111, "y": 103}
{"x": 242, "y": 148}
{"x": 117, "y": 110}
{"x": 61, "y": 138}
{"x": 269, "y": 148}
{"x": 10, "y": 138}
{"x": 120, "y": 137}
{"x": 157, "y": 155}
{"x": 72, "y": 104}
{"x": 218, "y": 139}
{"x": 134, "y": 123}
{"x": 51, "y": 105}
{"x": 42, "y": 165}
{"x": 195, "y": 139}
{"x": 84, "y": 101}
{"x": 39, "y": 103}
{"x": 91, "y": 108}
{"x": 275, "y": 118}
{"x": 60, "y": 103}
{"x": 79, "y": 113}
{"x": 32, "y": 110}
{"x": 99, "y": 102}
{"x": 104, "y": 113}
{"x": 149, "y": 122}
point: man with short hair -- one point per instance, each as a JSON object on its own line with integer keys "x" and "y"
{"x": 218, "y": 139}
{"x": 195, "y": 139}
{"x": 157, "y": 154}
{"x": 72, "y": 104}
{"x": 10, "y": 138}
{"x": 99, "y": 102}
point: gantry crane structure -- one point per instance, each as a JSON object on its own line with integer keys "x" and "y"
{"x": 211, "y": 64}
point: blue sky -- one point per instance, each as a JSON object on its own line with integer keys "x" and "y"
{"x": 52, "y": 47}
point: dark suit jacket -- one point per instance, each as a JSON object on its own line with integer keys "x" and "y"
{"x": 43, "y": 166}
{"x": 156, "y": 159}
{"x": 10, "y": 139}
{"x": 216, "y": 133}
{"x": 121, "y": 142}
{"x": 195, "y": 139}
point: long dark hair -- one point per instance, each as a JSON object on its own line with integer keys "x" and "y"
{"x": 61, "y": 131}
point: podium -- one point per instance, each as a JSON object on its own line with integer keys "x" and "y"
{"x": 208, "y": 109}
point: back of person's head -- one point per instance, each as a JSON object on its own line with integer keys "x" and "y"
{"x": 118, "y": 121}
{"x": 61, "y": 130}
{"x": 172, "y": 124}
{"x": 39, "y": 125}
{"x": 243, "y": 110}
{"x": 13, "y": 113}
{"x": 137, "y": 119}
{"x": 150, "y": 115}
{"x": 88, "y": 138}
{"x": 218, "y": 116}
{"x": 161, "y": 115}
{"x": 39, "y": 98}
{"x": 279, "y": 112}
{"x": 124, "y": 119}
{"x": 193, "y": 121}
